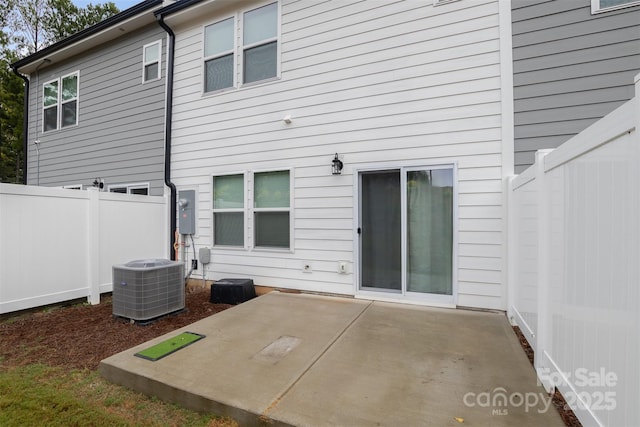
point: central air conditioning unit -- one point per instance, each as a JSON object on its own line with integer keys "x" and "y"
{"x": 146, "y": 289}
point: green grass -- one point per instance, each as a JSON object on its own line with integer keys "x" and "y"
{"x": 42, "y": 395}
{"x": 169, "y": 346}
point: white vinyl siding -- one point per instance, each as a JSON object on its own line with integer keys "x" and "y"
{"x": 393, "y": 83}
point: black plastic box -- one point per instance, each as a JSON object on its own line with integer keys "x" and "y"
{"x": 232, "y": 291}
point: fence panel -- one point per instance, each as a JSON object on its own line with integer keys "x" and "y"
{"x": 58, "y": 244}
{"x": 575, "y": 267}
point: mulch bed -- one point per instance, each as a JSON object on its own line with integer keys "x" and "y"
{"x": 80, "y": 336}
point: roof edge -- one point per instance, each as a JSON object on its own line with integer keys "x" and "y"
{"x": 176, "y": 7}
{"x": 87, "y": 32}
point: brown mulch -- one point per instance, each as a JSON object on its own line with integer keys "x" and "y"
{"x": 567, "y": 415}
{"x": 80, "y": 336}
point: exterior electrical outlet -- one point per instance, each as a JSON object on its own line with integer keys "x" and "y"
{"x": 187, "y": 211}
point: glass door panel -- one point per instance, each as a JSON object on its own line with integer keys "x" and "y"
{"x": 429, "y": 198}
{"x": 381, "y": 230}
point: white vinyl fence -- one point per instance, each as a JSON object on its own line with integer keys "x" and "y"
{"x": 575, "y": 267}
{"x": 59, "y": 244}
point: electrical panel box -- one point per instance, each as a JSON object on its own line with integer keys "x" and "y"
{"x": 187, "y": 212}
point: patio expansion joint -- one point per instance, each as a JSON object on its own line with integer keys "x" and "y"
{"x": 276, "y": 401}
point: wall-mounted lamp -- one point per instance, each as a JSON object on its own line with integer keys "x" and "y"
{"x": 336, "y": 165}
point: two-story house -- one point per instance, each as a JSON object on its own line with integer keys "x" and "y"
{"x": 353, "y": 148}
{"x": 96, "y": 106}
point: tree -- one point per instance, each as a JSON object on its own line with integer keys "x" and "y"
{"x": 82, "y": 17}
{"x": 27, "y": 26}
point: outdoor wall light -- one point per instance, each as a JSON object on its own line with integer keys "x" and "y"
{"x": 336, "y": 165}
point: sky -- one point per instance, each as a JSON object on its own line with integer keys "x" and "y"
{"x": 121, "y": 4}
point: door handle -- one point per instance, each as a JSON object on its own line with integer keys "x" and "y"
{"x": 359, "y": 230}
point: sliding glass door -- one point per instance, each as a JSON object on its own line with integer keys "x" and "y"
{"x": 406, "y": 231}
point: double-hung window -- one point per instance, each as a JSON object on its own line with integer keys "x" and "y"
{"x": 271, "y": 207}
{"x": 60, "y": 103}
{"x": 268, "y": 210}
{"x": 260, "y": 43}
{"x": 228, "y": 210}
{"x": 151, "y": 61}
{"x": 218, "y": 55}
{"x": 254, "y": 59}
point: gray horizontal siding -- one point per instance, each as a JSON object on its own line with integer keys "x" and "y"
{"x": 120, "y": 131}
{"x": 571, "y": 68}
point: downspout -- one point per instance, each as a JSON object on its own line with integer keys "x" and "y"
{"x": 25, "y": 124}
{"x": 167, "y": 134}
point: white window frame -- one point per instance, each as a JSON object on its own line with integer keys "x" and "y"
{"x": 145, "y": 63}
{"x": 243, "y": 210}
{"x": 60, "y": 102}
{"x": 238, "y": 49}
{"x": 249, "y": 210}
{"x": 234, "y": 85}
{"x": 595, "y": 6}
{"x": 130, "y": 187}
{"x": 242, "y": 48}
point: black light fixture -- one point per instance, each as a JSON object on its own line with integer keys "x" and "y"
{"x": 336, "y": 165}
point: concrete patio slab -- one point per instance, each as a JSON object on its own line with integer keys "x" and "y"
{"x": 306, "y": 360}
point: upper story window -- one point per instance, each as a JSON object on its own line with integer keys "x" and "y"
{"x": 151, "y": 61}
{"x": 257, "y": 32}
{"x": 60, "y": 102}
{"x": 598, "y": 6}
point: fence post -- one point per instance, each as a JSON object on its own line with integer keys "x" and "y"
{"x": 543, "y": 337}
{"x": 93, "y": 246}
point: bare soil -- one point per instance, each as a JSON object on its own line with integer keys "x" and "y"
{"x": 79, "y": 336}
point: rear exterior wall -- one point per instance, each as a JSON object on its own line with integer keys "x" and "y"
{"x": 380, "y": 83}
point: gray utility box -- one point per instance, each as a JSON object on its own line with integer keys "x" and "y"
{"x": 146, "y": 289}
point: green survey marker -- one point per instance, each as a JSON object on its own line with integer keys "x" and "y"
{"x": 169, "y": 346}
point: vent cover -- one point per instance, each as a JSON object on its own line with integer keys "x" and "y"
{"x": 146, "y": 289}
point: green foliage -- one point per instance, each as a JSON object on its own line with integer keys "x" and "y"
{"x": 41, "y": 395}
{"x": 11, "y": 112}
